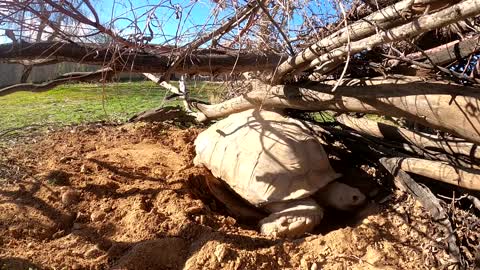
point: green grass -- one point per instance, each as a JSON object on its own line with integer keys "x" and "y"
{"x": 82, "y": 103}
{"x": 323, "y": 117}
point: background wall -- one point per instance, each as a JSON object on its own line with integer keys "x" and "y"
{"x": 11, "y": 73}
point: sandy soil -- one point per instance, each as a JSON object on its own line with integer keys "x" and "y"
{"x": 128, "y": 197}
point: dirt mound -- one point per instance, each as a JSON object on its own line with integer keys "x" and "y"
{"x": 128, "y": 197}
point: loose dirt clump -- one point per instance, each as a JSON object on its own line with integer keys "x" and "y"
{"x": 129, "y": 197}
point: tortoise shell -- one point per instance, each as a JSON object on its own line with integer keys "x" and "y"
{"x": 264, "y": 156}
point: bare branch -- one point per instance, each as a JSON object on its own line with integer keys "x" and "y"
{"x": 272, "y": 20}
{"x": 231, "y": 23}
{"x": 424, "y": 103}
{"x": 421, "y": 25}
{"x": 457, "y": 76}
{"x": 422, "y": 194}
{"x": 441, "y": 171}
{"x": 156, "y": 60}
{"x": 101, "y": 74}
{"x": 382, "y": 19}
{"x": 421, "y": 140}
{"x": 158, "y": 80}
{"x": 449, "y": 52}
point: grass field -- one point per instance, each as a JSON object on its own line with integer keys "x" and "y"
{"x": 80, "y": 103}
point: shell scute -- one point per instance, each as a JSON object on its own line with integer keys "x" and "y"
{"x": 264, "y": 156}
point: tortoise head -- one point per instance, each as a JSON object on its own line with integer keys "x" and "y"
{"x": 341, "y": 196}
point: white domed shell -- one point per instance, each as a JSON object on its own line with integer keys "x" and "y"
{"x": 264, "y": 156}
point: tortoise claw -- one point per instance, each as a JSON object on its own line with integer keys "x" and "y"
{"x": 294, "y": 220}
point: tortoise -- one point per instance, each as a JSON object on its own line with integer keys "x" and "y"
{"x": 277, "y": 165}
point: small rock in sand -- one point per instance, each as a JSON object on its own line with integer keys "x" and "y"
{"x": 77, "y": 226}
{"x": 93, "y": 253}
{"x": 98, "y": 215}
{"x": 69, "y": 197}
{"x": 220, "y": 252}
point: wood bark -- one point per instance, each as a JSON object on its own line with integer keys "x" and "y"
{"x": 428, "y": 200}
{"x": 425, "y": 23}
{"x": 452, "y": 108}
{"x": 412, "y": 150}
{"x": 326, "y": 61}
{"x": 447, "y": 53}
{"x": 100, "y": 75}
{"x": 224, "y": 28}
{"x": 357, "y": 142}
{"x": 420, "y": 140}
{"x": 383, "y": 19}
{"x": 156, "y": 60}
{"x": 440, "y": 171}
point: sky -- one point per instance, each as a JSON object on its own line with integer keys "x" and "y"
{"x": 184, "y": 18}
{"x": 167, "y": 22}
{"x": 195, "y": 18}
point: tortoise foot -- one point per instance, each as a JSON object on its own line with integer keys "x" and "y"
{"x": 291, "y": 219}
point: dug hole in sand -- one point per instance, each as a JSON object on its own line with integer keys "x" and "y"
{"x": 128, "y": 197}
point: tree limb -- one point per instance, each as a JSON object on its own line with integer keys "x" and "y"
{"x": 382, "y": 19}
{"x": 101, "y": 74}
{"x": 449, "y": 52}
{"x": 156, "y": 60}
{"x": 420, "y": 25}
{"x": 170, "y": 88}
{"x": 423, "y": 195}
{"x": 424, "y": 103}
{"x": 458, "y": 76}
{"x": 225, "y": 27}
{"x": 421, "y": 140}
{"x": 425, "y": 23}
{"x": 37, "y": 62}
{"x": 440, "y": 171}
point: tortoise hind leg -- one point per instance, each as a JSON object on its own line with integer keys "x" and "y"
{"x": 233, "y": 202}
{"x": 291, "y": 219}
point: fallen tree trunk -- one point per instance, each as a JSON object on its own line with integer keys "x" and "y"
{"x": 447, "y": 53}
{"x": 153, "y": 60}
{"x": 440, "y": 171}
{"x": 425, "y": 23}
{"x": 412, "y": 150}
{"x": 99, "y": 75}
{"x": 420, "y": 140}
{"x": 383, "y": 19}
{"x": 452, "y": 108}
{"x": 363, "y": 143}
{"x": 423, "y": 195}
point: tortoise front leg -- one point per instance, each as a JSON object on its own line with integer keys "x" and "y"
{"x": 291, "y": 219}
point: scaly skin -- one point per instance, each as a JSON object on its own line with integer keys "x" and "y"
{"x": 291, "y": 219}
